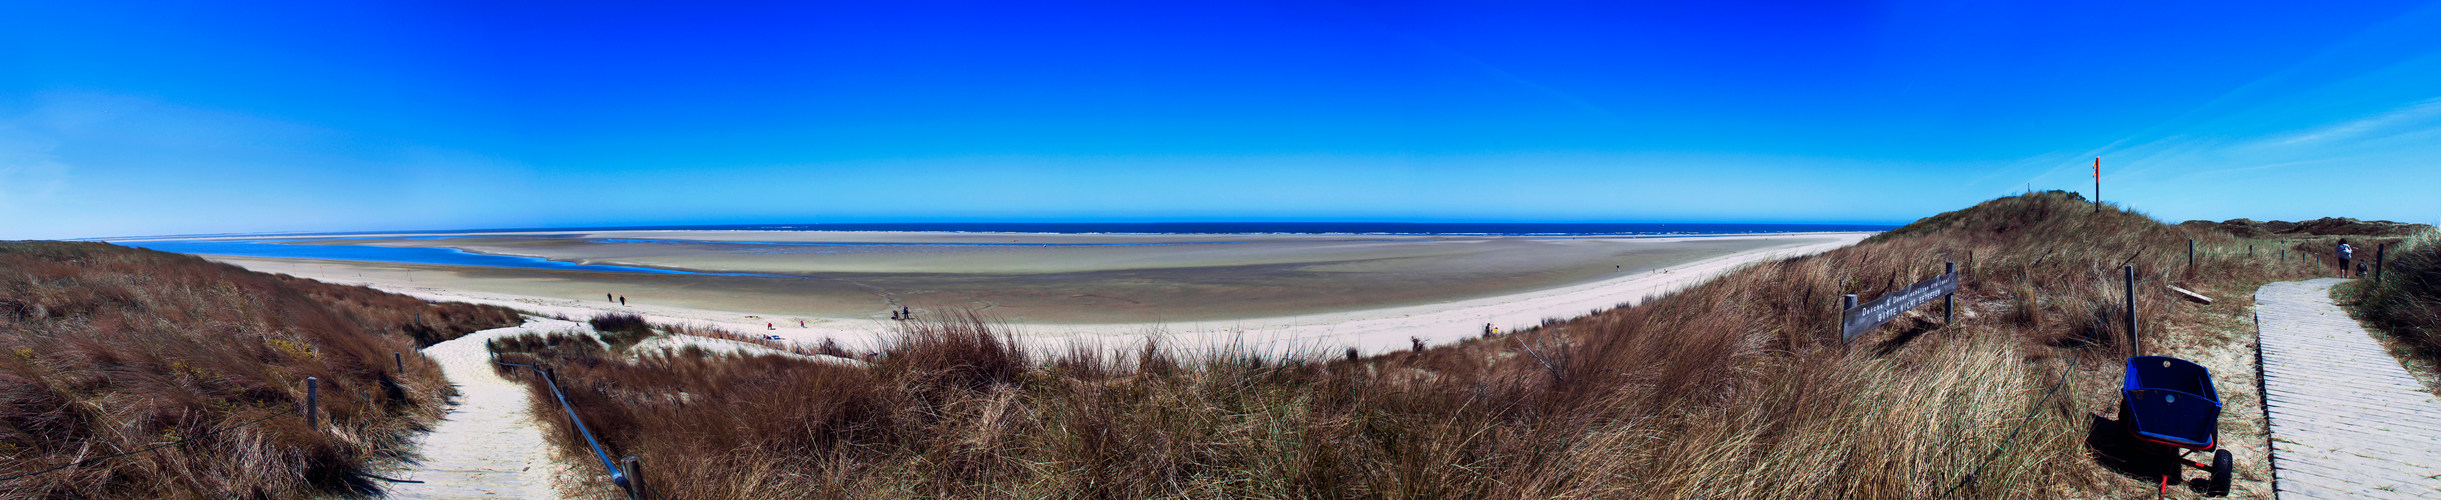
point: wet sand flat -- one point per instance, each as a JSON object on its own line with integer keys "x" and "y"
{"x": 1035, "y": 278}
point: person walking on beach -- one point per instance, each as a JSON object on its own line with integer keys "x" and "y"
{"x": 606, "y": 298}
{"x": 622, "y": 301}
{"x": 2345, "y": 252}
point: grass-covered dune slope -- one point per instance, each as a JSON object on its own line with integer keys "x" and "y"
{"x": 106, "y": 349}
{"x": 2327, "y": 226}
{"x": 1736, "y": 388}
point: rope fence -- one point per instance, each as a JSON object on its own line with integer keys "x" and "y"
{"x": 634, "y": 486}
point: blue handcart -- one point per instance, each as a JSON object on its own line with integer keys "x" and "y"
{"x": 2169, "y": 405}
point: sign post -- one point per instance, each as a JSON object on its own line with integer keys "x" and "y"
{"x": 1857, "y": 319}
{"x": 1949, "y": 301}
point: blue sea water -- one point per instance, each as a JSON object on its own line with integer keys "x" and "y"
{"x": 455, "y": 257}
{"x": 1397, "y": 228}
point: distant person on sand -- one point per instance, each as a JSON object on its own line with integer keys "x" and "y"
{"x": 606, "y": 298}
{"x": 622, "y": 300}
{"x": 2345, "y": 253}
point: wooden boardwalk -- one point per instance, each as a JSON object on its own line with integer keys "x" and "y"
{"x": 2346, "y": 420}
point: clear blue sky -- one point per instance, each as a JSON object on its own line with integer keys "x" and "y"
{"x": 324, "y": 116}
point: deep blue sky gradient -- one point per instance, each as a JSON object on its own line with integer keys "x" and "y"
{"x": 162, "y": 118}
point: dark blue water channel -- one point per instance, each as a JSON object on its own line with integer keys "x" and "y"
{"x": 399, "y": 255}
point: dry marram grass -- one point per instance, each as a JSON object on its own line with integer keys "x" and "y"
{"x": 110, "y": 349}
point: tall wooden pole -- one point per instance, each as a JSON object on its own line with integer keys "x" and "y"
{"x": 2097, "y": 184}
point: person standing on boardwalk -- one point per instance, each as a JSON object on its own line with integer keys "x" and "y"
{"x": 2345, "y": 252}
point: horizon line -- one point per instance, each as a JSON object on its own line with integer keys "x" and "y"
{"x": 814, "y": 227}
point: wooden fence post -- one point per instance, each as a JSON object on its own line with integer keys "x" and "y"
{"x": 313, "y": 402}
{"x": 2190, "y": 253}
{"x": 635, "y": 477}
{"x": 1949, "y": 305}
{"x": 399, "y": 361}
{"x": 2380, "y": 252}
{"x": 2134, "y": 344}
{"x": 1847, "y": 305}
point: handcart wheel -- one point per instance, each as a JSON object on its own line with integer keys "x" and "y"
{"x": 2219, "y": 487}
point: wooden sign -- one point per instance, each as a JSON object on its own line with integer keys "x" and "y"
{"x": 1872, "y": 314}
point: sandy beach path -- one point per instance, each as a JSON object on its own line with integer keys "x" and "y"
{"x": 488, "y": 445}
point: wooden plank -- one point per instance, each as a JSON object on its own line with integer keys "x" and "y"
{"x": 2191, "y": 295}
{"x": 2374, "y": 403}
{"x": 2346, "y": 461}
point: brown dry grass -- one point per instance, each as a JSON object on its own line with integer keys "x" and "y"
{"x": 110, "y": 349}
{"x": 1736, "y": 388}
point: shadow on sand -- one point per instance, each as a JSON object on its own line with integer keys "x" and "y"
{"x": 2115, "y": 449}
